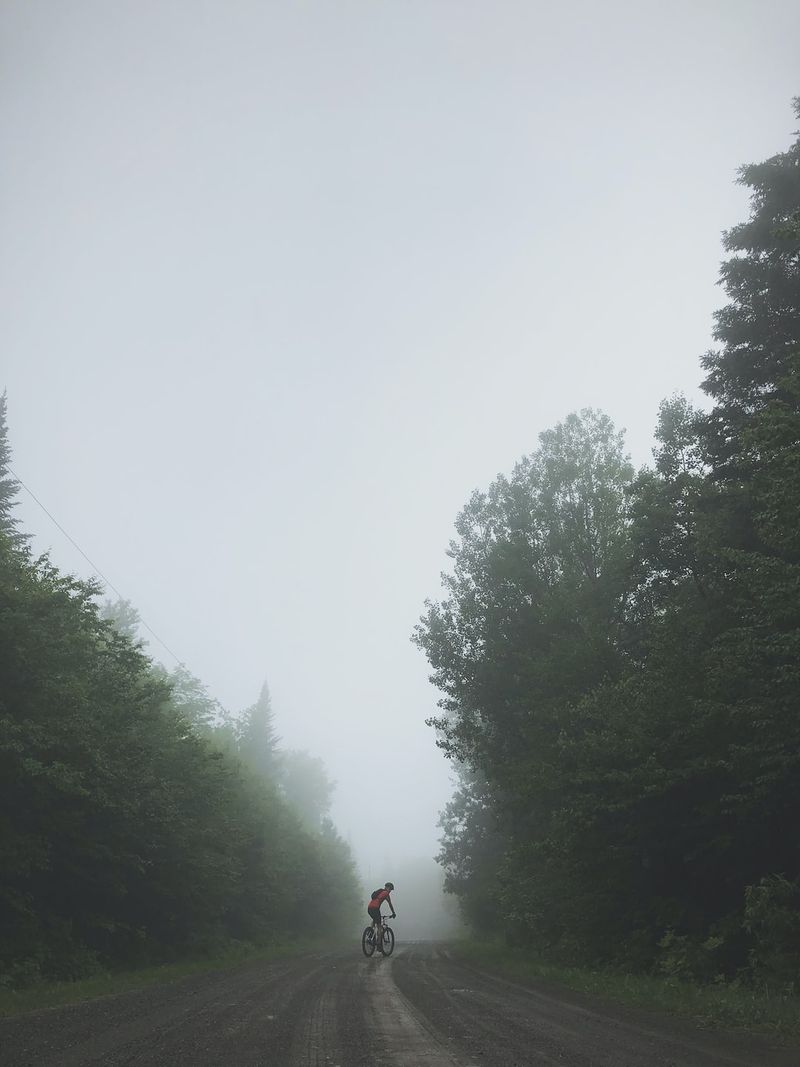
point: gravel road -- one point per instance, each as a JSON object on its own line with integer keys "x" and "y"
{"x": 421, "y": 1008}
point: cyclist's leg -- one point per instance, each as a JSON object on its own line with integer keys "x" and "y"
{"x": 375, "y": 915}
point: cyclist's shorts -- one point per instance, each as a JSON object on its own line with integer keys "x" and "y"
{"x": 374, "y": 913}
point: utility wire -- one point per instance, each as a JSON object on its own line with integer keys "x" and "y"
{"x": 94, "y": 566}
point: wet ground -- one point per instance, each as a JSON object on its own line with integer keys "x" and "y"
{"x": 420, "y": 1008}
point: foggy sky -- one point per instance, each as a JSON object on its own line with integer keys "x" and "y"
{"x": 281, "y": 284}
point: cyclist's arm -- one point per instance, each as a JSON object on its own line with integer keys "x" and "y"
{"x": 389, "y": 902}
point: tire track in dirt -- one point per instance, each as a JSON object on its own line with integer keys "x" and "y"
{"x": 403, "y": 1036}
{"x": 506, "y": 1024}
{"x": 193, "y": 1020}
{"x": 420, "y": 1008}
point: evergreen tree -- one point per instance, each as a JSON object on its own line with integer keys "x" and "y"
{"x": 752, "y": 378}
{"x": 752, "y": 439}
{"x": 258, "y": 739}
{"x": 647, "y": 782}
{"x": 8, "y": 484}
{"x": 128, "y": 832}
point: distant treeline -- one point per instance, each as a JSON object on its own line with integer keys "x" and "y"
{"x": 138, "y": 822}
{"x": 619, "y": 655}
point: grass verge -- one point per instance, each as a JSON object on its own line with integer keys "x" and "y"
{"x": 717, "y": 1005}
{"x": 56, "y": 994}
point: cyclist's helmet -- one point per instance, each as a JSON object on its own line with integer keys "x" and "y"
{"x": 389, "y": 886}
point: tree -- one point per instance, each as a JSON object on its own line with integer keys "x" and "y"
{"x": 629, "y": 705}
{"x": 473, "y": 845}
{"x": 190, "y": 698}
{"x": 535, "y": 599}
{"x": 306, "y": 786}
{"x": 752, "y": 441}
{"x": 258, "y": 739}
{"x": 128, "y": 830}
{"x": 122, "y": 615}
{"x": 689, "y": 761}
{"x": 533, "y": 619}
{"x": 752, "y": 377}
{"x": 8, "y": 484}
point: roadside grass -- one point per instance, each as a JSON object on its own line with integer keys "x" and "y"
{"x": 716, "y": 1005}
{"x": 56, "y": 994}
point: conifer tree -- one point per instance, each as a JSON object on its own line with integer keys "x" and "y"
{"x": 753, "y": 377}
{"x": 258, "y": 740}
{"x": 8, "y": 484}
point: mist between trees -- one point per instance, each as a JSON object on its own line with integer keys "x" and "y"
{"x": 619, "y": 657}
{"x": 139, "y": 822}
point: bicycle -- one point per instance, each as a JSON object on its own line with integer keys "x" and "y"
{"x": 384, "y": 941}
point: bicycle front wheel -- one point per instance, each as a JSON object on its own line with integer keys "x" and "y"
{"x": 387, "y": 943}
{"x": 368, "y": 941}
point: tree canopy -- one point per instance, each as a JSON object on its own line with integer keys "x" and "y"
{"x": 619, "y": 657}
{"x": 130, "y": 828}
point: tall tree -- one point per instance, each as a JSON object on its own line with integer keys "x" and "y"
{"x": 307, "y": 787}
{"x": 752, "y": 377}
{"x": 631, "y": 710}
{"x": 532, "y": 620}
{"x": 752, "y": 440}
{"x": 258, "y": 739}
{"x": 128, "y": 832}
{"x": 8, "y": 484}
{"x": 534, "y": 602}
{"x": 473, "y": 845}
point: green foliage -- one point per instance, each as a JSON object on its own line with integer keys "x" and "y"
{"x": 129, "y": 830}
{"x": 534, "y": 599}
{"x": 619, "y": 659}
{"x": 306, "y": 785}
{"x": 9, "y": 526}
{"x": 123, "y": 616}
{"x": 686, "y": 960}
{"x": 190, "y": 699}
{"x": 722, "y": 1004}
{"x": 759, "y": 329}
{"x": 772, "y": 918}
{"x": 472, "y": 847}
{"x": 532, "y": 621}
{"x": 257, "y": 738}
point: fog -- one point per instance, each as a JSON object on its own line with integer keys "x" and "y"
{"x": 282, "y": 284}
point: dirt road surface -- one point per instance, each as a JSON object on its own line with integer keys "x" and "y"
{"x": 421, "y": 1008}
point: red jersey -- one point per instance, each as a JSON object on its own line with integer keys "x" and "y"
{"x": 376, "y": 902}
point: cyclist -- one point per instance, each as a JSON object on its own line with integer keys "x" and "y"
{"x": 377, "y": 898}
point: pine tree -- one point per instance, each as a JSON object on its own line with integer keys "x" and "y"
{"x": 258, "y": 740}
{"x": 8, "y": 484}
{"x": 752, "y": 437}
{"x": 753, "y": 377}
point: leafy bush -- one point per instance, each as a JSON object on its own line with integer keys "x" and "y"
{"x": 772, "y": 919}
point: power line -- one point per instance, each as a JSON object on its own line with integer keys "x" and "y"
{"x": 94, "y": 566}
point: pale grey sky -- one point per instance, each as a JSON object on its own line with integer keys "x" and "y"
{"x": 280, "y": 284}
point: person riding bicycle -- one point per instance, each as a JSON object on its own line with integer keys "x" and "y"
{"x": 377, "y": 898}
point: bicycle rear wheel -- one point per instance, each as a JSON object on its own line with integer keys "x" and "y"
{"x": 387, "y": 942}
{"x": 368, "y": 941}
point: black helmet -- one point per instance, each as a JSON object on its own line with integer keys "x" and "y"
{"x": 389, "y": 886}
